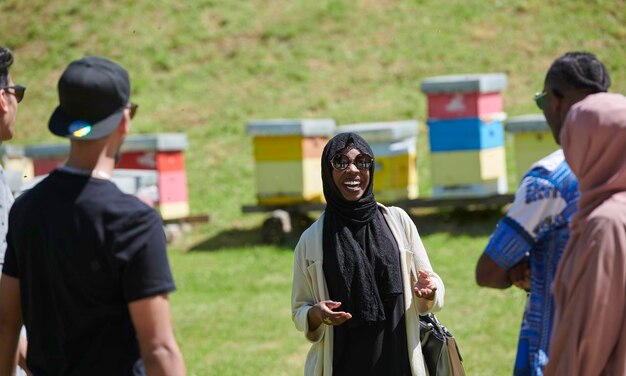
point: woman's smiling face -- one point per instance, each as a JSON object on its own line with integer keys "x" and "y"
{"x": 351, "y": 182}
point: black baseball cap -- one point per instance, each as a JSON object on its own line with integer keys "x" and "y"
{"x": 93, "y": 93}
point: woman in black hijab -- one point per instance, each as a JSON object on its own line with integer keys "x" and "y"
{"x": 361, "y": 275}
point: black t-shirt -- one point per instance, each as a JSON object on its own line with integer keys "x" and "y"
{"x": 82, "y": 251}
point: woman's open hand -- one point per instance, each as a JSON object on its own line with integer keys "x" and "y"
{"x": 424, "y": 287}
{"x": 322, "y": 312}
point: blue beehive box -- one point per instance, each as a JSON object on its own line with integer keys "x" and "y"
{"x": 465, "y": 134}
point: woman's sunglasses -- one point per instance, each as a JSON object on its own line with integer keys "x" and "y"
{"x": 18, "y": 91}
{"x": 341, "y": 161}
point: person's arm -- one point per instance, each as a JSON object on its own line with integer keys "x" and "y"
{"x": 303, "y": 315}
{"x": 153, "y": 323}
{"x": 22, "y": 347}
{"x": 505, "y": 259}
{"x": 490, "y": 274}
{"x": 10, "y": 322}
{"x": 140, "y": 247}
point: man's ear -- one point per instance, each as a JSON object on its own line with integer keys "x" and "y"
{"x": 3, "y": 101}
{"x": 124, "y": 126}
{"x": 558, "y": 104}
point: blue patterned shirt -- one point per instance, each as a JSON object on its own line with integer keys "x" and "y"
{"x": 536, "y": 226}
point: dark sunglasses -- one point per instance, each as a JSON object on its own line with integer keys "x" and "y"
{"x": 133, "y": 109}
{"x": 18, "y": 91}
{"x": 539, "y": 97}
{"x": 341, "y": 162}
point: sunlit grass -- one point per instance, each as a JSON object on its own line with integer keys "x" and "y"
{"x": 232, "y": 312}
{"x": 204, "y": 67}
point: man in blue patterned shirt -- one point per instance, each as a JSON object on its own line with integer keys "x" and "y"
{"x": 527, "y": 244}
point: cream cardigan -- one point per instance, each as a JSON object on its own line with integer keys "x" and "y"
{"x": 309, "y": 287}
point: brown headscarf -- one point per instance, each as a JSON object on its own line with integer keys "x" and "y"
{"x": 594, "y": 143}
{"x": 589, "y": 333}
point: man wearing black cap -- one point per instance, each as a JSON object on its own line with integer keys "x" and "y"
{"x": 89, "y": 262}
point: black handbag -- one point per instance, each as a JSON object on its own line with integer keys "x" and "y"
{"x": 441, "y": 353}
{"x": 439, "y": 348}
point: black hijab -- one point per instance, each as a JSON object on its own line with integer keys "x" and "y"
{"x": 360, "y": 258}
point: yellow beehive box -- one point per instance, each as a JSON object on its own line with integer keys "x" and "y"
{"x": 391, "y": 195}
{"x": 287, "y": 148}
{"x": 172, "y": 210}
{"x": 532, "y": 140}
{"x": 395, "y": 157}
{"x": 395, "y": 171}
{"x": 289, "y": 182}
{"x": 467, "y": 167}
{"x": 287, "y": 155}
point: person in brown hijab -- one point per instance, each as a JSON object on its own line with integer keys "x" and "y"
{"x": 589, "y": 335}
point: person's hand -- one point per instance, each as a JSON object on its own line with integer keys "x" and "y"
{"x": 325, "y": 314}
{"x": 424, "y": 287}
{"x": 519, "y": 275}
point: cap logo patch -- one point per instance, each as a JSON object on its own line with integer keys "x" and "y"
{"x": 79, "y": 128}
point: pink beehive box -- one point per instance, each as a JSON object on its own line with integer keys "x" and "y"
{"x": 162, "y": 153}
{"x": 464, "y": 96}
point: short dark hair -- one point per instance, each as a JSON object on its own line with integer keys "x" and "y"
{"x": 579, "y": 70}
{"x": 6, "y": 59}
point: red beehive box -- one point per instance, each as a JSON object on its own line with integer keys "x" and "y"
{"x": 464, "y": 96}
{"x": 161, "y": 153}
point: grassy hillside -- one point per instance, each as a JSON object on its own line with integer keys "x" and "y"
{"x": 205, "y": 67}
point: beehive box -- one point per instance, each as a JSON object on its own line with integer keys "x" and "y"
{"x": 385, "y": 132}
{"x": 467, "y": 167}
{"x": 395, "y": 171}
{"x": 466, "y": 134}
{"x": 142, "y": 183}
{"x": 287, "y": 155}
{"x": 532, "y": 140}
{"x": 483, "y": 189}
{"x": 395, "y": 157}
{"x": 47, "y": 157}
{"x": 464, "y": 96}
{"x": 18, "y": 169}
{"x": 162, "y": 154}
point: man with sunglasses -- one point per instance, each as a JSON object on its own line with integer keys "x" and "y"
{"x": 86, "y": 265}
{"x": 10, "y": 96}
{"x": 528, "y": 242}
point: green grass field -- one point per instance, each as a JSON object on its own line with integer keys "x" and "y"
{"x": 205, "y": 67}
{"x": 233, "y": 316}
